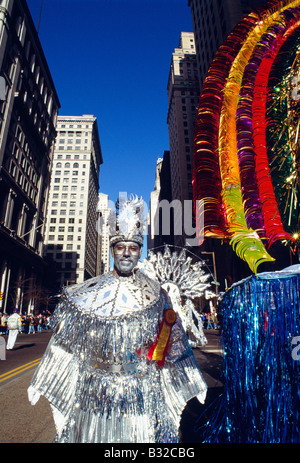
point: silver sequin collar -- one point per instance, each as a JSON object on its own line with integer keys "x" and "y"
{"x": 109, "y": 296}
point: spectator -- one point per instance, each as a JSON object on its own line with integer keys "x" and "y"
{"x": 31, "y": 329}
{"x": 40, "y": 323}
{"x": 14, "y": 326}
{"x": 209, "y": 322}
{"x": 3, "y": 324}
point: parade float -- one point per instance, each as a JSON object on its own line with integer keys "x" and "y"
{"x": 246, "y": 175}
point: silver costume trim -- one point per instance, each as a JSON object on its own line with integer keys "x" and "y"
{"x": 183, "y": 280}
{"x": 95, "y": 372}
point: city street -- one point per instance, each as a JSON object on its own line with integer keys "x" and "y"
{"x": 22, "y": 423}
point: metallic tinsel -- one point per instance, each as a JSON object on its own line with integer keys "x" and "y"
{"x": 231, "y": 172}
{"x": 261, "y": 398}
{"x": 95, "y": 372}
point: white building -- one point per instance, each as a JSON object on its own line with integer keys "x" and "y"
{"x": 71, "y": 235}
{"x": 103, "y": 250}
{"x": 153, "y": 216}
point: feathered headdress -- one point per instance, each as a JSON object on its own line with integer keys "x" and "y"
{"x": 127, "y": 223}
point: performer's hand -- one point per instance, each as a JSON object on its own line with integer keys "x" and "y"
{"x": 33, "y": 395}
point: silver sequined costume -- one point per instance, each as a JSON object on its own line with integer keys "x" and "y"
{"x": 95, "y": 373}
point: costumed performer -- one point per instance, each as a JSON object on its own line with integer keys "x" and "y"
{"x": 119, "y": 367}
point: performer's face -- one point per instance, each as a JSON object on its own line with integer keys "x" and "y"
{"x": 126, "y": 255}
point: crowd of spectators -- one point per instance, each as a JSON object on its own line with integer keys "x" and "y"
{"x": 31, "y": 324}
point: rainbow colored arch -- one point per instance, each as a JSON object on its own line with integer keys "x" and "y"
{"x": 247, "y": 149}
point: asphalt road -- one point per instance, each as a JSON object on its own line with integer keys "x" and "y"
{"x": 21, "y": 422}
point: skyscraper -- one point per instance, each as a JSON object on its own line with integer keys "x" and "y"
{"x": 28, "y": 110}
{"x": 161, "y": 219}
{"x": 183, "y": 94}
{"x": 71, "y": 235}
{"x": 103, "y": 249}
{"x": 213, "y": 20}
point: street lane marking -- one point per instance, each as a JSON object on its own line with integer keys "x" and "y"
{"x": 20, "y": 369}
{"x": 210, "y": 350}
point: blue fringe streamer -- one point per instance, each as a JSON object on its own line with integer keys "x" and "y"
{"x": 261, "y": 398}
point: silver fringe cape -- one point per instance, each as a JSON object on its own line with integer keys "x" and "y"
{"x": 95, "y": 373}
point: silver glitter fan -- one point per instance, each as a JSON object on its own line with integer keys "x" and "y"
{"x": 183, "y": 281}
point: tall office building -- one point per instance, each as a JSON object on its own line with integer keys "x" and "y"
{"x": 28, "y": 111}
{"x": 213, "y": 20}
{"x": 71, "y": 235}
{"x": 183, "y": 94}
{"x": 161, "y": 218}
{"x": 153, "y": 213}
{"x": 103, "y": 249}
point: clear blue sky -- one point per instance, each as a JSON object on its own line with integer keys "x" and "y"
{"x": 111, "y": 58}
